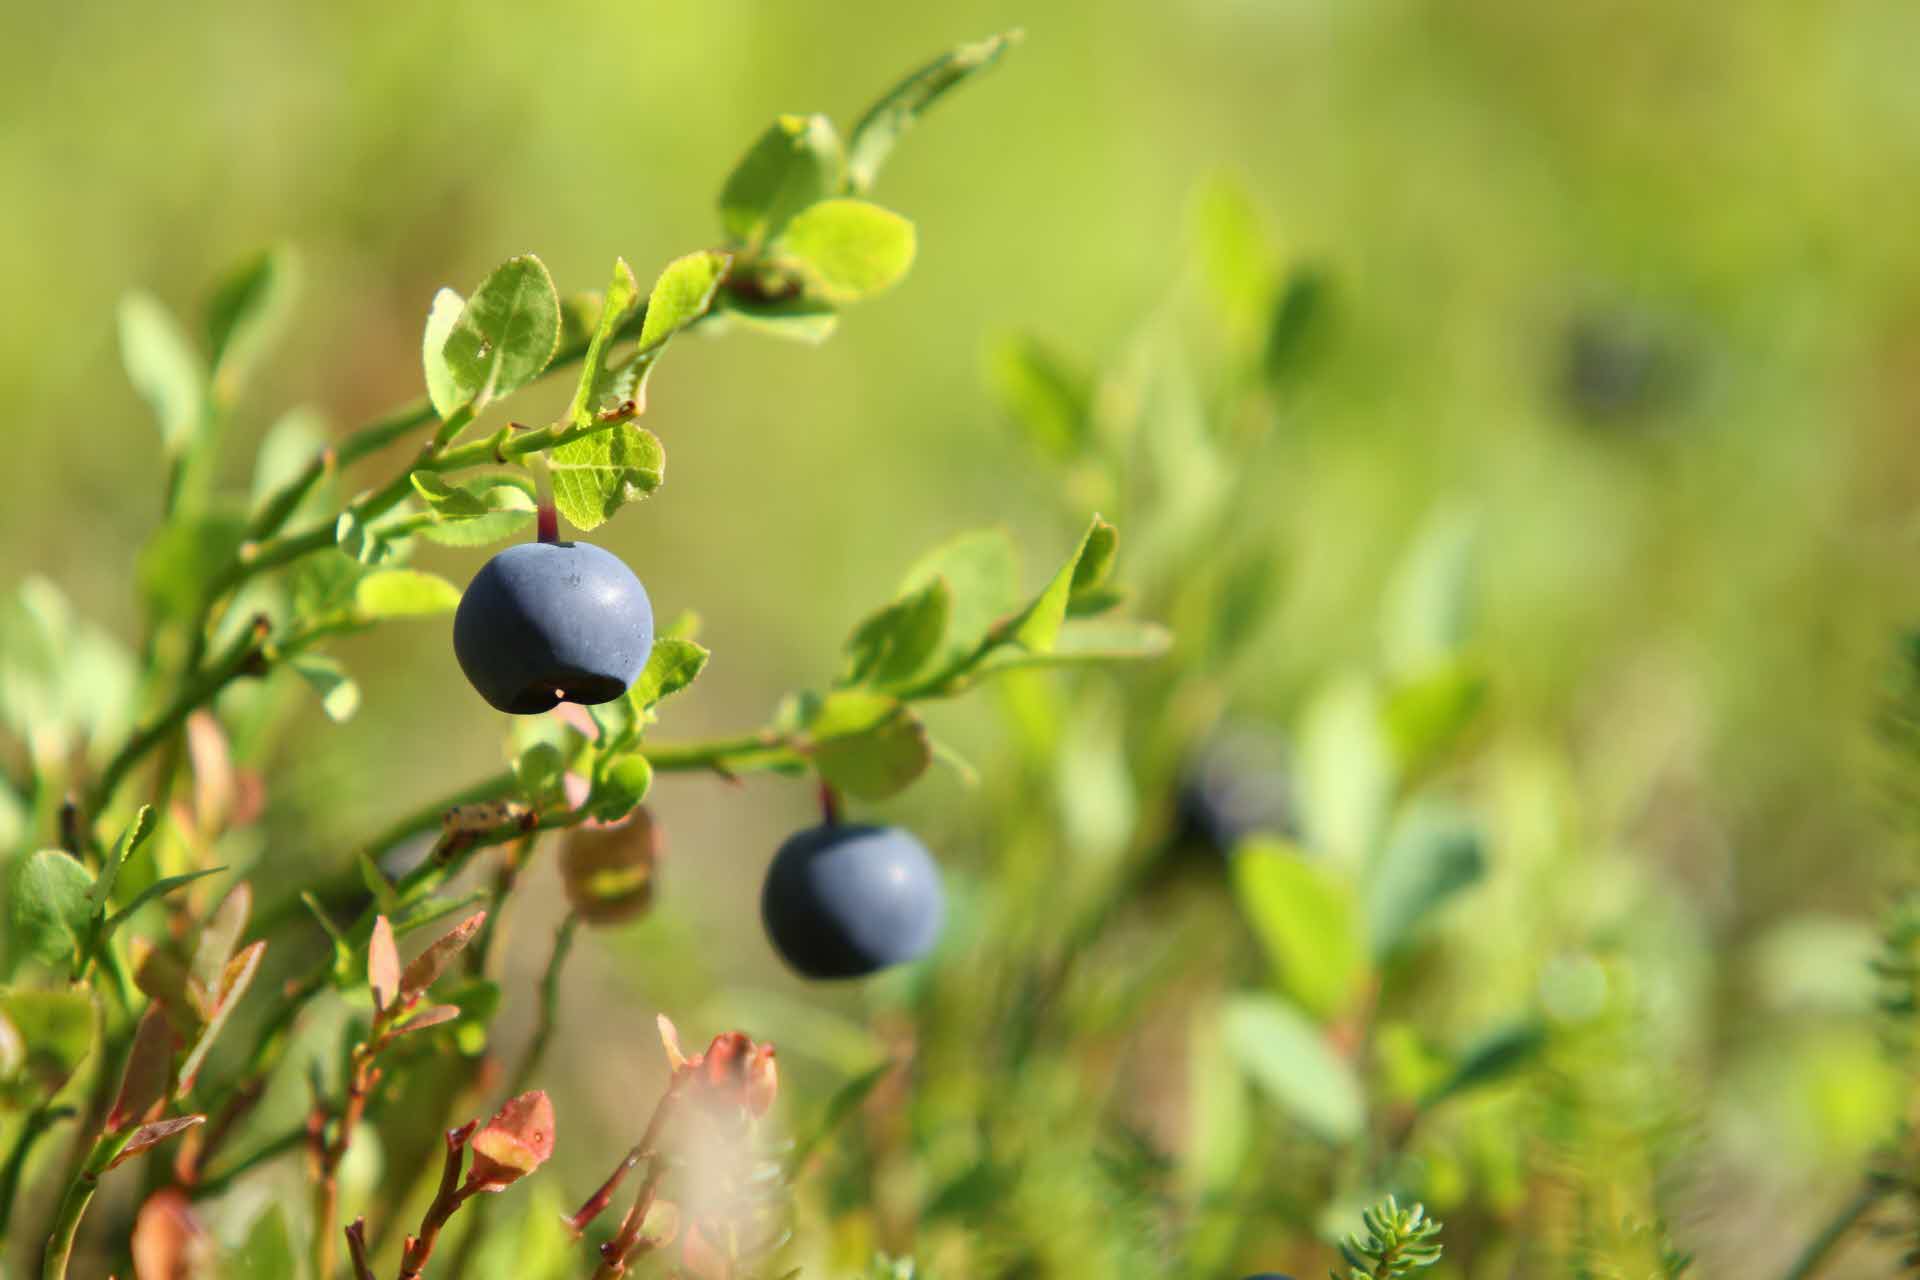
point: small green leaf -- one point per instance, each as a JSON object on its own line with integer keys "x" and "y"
{"x": 404, "y": 593}
{"x": 615, "y": 307}
{"x": 182, "y": 558}
{"x": 867, "y": 744}
{"x": 1433, "y": 854}
{"x": 295, "y": 439}
{"x": 1490, "y": 1059}
{"x": 1428, "y": 605}
{"x": 893, "y": 645}
{"x": 444, "y": 391}
{"x": 158, "y": 889}
{"x": 1347, "y": 774}
{"x": 339, "y": 695}
{"x": 220, "y": 934}
{"x": 623, "y": 785}
{"x": 131, "y": 839}
{"x": 268, "y": 1252}
{"x": 791, "y": 319}
{"x": 1299, "y": 321}
{"x": 1039, "y": 389}
{"x": 796, "y": 162}
{"x": 1427, "y": 714}
{"x": 478, "y": 512}
{"x": 507, "y": 333}
{"x": 57, "y": 1028}
{"x": 364, "y": 543}
{"x": 886, "y": 121}
{"x": 982, "y": 572}
{"x": 1307, "y": 921}
{"x": 51, "y": 893}
{"x": 618, "y": 721}
{"x": 539, "y": 770}
{"x": 1038, "y": 626}
{"x": 682, "y": 295}
{"x": 1290, "y": 1060}
{"x": 595, "y": 476}
{"x": 164, "y": 368}
{"x": 1237, "y": 256}
{"x": 848, "y": 249}
{"x": 245, "y": 314}
{"x": 671, "y": 667}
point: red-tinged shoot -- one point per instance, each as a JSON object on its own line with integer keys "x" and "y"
{"x": 518, "y": 1140}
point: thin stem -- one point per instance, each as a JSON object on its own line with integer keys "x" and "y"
{"x": 829, "y": 804}
{"x": 36, "y": 1124}
{"x": 1815, "y": 1255}
{"x": 239, "y": 658}
{"x": 73, "y": 1206}
{"x": 357, "y": 1249}
{"x": 446, "y": 1200}
{"x": 549, "y": 1008}
{"x": 629, "y": 1245}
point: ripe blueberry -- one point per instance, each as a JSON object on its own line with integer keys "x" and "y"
{"x": 846, "y": 901}
{"x": 1236, "y": 785}
{"x": 547, "y": 622}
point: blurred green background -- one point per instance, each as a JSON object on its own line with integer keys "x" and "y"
{"x": 1633, "y": 283}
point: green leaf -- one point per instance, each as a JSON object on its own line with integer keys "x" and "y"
{"x": 682, "y": 295}
{"x": 1494, "y": 1057}
{"x": 339, "y": 695}
{"x": 1299, "y": 319}
{"x": 618, "y": 721}
{"x": 295, "y": 439}
{"x": 164, "y": 368}
{"x": 894, "y": 645}
{"x": 1428, "y": 606}
{"x": 982, "y": 572}
{"x": 404, "y": 593}
{"x": 848, "y": 249}
{"x": 1039, "y": 624}
{"x": 886, "y": 121}
{"x": 268, "y": 1253}
{"x": 57, "y": 1028}
{"x": 845, "y": 1101}
{"x": 1049, "y": 398}
{"x": 539, "y": 770}
{"x": 623, "y": 785}
{"x": 1347, "y": 774}
{"x": 1237, "y": 256}
{"x": 245, "y": 314}
{"x": 478, "y": 512}
{"x": 131, "y": 839}
{"x": 444, "y": 391}
{"x": 507, "y": 333}
{"x": 789, "y": 319}
{"x": 364, "y": 543}
{"x": 671, "y": 667}
{"x": 1427, "y": 714}
{"x": 51, "y": 893}
{"x": 220, "y": 934}
{"x": 1307, "y": 921}
{"x": 182, "y": 558}
{"x": 158, "y": 889}
{"x": 1292, "y": 1063}
{"x": 595, "y": 476}
{"x": 1433, "y": 854}
{"x": 795, "y": 163}
{"x": 615, "y": 307}
{"x": 867, "y": 744}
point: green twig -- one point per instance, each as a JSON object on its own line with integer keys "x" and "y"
{"x": 1818, "y": 1249}
{"x": 36, "y": 1124}
{"x": 73, "y": 1206}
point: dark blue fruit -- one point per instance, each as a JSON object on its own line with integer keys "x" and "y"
{"x": 846, "y": 901}
{"x": 1239, "y": 784}
{"x": 550, "y": 622}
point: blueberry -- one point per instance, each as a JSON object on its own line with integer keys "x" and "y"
{"x": 550, "y": 622}
{"x": 1236, "y": 785}
{"x": 846, "y": 901}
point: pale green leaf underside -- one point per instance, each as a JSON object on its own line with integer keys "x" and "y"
{"x": 443, "y": 389}
{"x": 163, "y": 367}
{"x": 595, "y": 476}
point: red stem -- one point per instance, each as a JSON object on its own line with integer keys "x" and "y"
{"x": 450, "y": 1197}
{"x": 829, "y": 805}
{"x": 549, "y": 522}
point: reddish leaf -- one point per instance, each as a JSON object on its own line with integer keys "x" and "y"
{"x": 234, "y": 981}
{"x": 383, "y": 965}
{"x": 221, "y": 933}
{"x": 160, "y": 974}
{"x": 518, "y": 1140}
{"x": 431, "y": 1016}
{"x": 152, "y": 1135}
{"x": 149, "y": 1070}
{"x": 213, "y": 780}
{"x": 431, "y": 963}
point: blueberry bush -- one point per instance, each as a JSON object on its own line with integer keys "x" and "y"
{"x": 1250, "y": 953}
